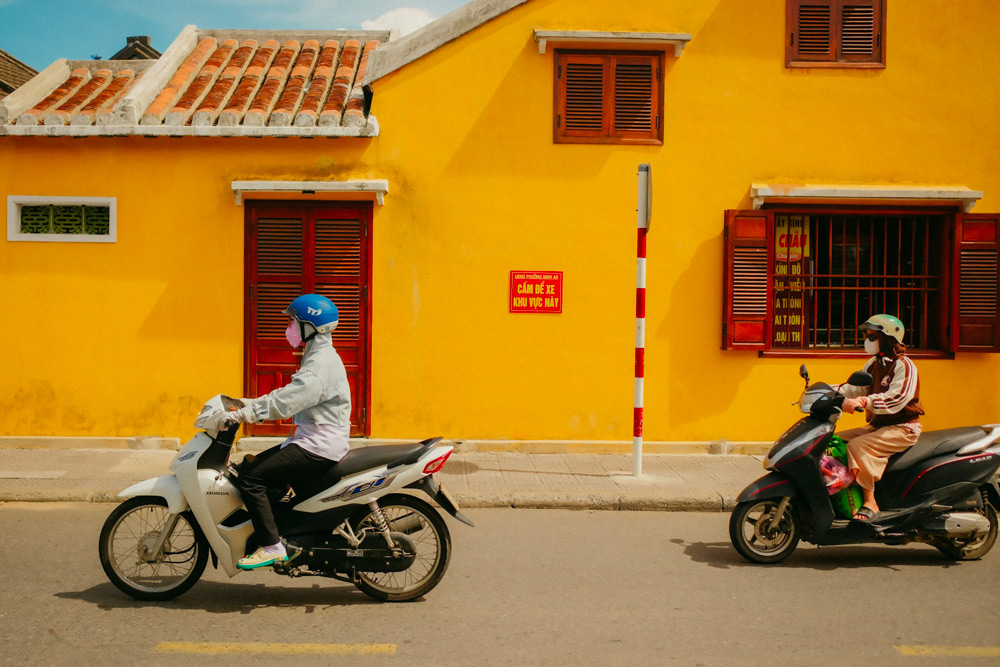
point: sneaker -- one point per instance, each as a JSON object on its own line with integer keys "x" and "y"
{"x": 263, "y": 557}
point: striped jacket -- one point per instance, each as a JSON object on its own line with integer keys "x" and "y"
{"x": 894, "y": 397}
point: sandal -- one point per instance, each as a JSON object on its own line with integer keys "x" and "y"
{"x": 864, "y": 515}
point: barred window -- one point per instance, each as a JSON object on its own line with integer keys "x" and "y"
{"x": 801, "y": 281}
{"x": 71, "y": 219}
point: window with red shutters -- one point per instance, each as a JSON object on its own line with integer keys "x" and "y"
{"x": 835, "y": 33}
{"x": 603, "y": 97}
{"x": 800, "y": 280}
{"x": 977, "y": 250}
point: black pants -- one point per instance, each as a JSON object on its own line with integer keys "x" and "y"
{"x": 273, "y": 471}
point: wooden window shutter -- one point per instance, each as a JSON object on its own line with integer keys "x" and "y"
{"x": 976, "y": 285}
{"x": 582, "y": 87}
{"x": 811, "y": 30}
{"x": 747, "y": 304}
{"x": 636, "y": 98}
{"x": 860, "y": 31}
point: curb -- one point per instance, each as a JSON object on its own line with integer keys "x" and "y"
{"x": 711, "y": 503}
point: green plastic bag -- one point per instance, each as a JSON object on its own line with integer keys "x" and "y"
{"x": 847, "y": 501}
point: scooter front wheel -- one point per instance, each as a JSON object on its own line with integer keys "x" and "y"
{"x": 128, "y": 538}
{"x": 757, "y": 537}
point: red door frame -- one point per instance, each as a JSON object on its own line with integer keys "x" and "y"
{"x": 365, "y": 210}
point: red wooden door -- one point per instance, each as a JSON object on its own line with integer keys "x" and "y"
{"x": 296, "y": 248}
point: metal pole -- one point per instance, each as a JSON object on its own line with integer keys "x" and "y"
{"x": 645, "y": 204}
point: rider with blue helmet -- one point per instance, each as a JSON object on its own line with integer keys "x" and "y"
{"x": 318, "y": 398}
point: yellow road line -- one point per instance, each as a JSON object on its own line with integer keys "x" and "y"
{"x": 275, "y": 648}
{"x": 950, "y": 651}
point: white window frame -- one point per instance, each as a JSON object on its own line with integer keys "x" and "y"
{"x": 15, "y": 202}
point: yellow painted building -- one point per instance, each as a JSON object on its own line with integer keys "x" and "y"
{"x": 481, "y": 146}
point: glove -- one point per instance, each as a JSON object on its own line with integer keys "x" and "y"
{"x": 238, "y": 416}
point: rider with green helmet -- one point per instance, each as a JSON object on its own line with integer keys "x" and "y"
{"x": 891, "y": 405}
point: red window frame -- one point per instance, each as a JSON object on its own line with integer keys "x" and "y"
{"x": 969, "y": 310}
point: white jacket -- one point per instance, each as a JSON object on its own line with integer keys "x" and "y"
{"x": 318, "y": 393}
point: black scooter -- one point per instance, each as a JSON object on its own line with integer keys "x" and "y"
{"x": 941, "y": 491}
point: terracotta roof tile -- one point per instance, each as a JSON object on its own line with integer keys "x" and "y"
{"x": 334, "y": 108}
{"x": 224, "y": 87}
{"x": 263, "y": 103}
{"x": 285, "y": 109}
{"x": 105, "y": 99}
{"x": 302, "y": 85}
{"x": 61, "y": 115}
{"x": 202, "y": 83}
{"x": 178, "y": 82}
{"x": 355, "y": 113}
{"x": 56, "y": 97}
{"x": 248, "y": 86}
{"x": 320, "y": 85}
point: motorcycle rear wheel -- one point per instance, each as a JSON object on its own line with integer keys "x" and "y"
{"x": 974, "y": 549}
{"x": 130, "y": 530}
{"x": 429, "y": 533}
{"x": 755, "y": 540}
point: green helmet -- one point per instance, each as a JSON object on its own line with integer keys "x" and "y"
{"x": 887, "y": 324}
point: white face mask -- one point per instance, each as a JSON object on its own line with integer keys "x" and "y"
{"x": 293, "y": 335}
{"x": 871, "y": 346}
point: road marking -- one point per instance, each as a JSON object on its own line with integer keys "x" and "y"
{"x": 950, "y": 651}
{"x": 31, "y": 474}
{"x": 275, "y": 648}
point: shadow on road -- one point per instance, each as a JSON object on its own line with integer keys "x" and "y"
{"x": 722, "y": 555}
{"x": 230, "y": 598}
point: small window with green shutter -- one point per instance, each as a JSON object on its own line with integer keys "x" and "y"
{"x": 608, "y": 97}
{"x": 67, "y": 219}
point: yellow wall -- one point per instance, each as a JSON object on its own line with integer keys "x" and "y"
{"x": 129, "y": 338}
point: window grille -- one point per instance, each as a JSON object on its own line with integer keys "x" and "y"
{"x": 61, "y": 219}
{"x": 837, "y": 270}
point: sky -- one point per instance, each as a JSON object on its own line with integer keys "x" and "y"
{"x": 38, "y": 32}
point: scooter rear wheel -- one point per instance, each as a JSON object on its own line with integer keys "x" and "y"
{"x": 974, "y": 549}
{"x": 753, "y": 536}
{"x": 431, "y": 540}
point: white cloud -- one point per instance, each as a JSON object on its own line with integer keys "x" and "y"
{"x": 407, "y": 19}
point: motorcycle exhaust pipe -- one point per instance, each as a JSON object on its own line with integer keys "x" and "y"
{"x": 958, "y": 524}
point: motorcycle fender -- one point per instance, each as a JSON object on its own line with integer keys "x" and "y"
{"x": 430, "y": 486}
{"x": 771, "y": 485}
{"x": 166, "y": 487}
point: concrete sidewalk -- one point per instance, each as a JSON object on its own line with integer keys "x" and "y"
{"x": 681, "y": 482}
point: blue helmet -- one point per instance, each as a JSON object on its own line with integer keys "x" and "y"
{"x": 315, "y": 309}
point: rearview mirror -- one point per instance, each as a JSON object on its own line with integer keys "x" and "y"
{"x": 860, "y": 379}
{"x": 804, "y": 373}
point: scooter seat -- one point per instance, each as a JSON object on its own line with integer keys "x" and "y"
{"x": 355, "y": 461}
{"x": 934, "y": 443}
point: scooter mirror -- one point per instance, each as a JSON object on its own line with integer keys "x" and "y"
{"x": 860, "y": 379}
{"x": 804, "y": 373}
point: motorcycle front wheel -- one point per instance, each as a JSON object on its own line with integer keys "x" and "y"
{"x": 432, "y": 542}
{"x": 970, "y": 549}
{"x": 756, "y": 539}
{"x": 128, "y": 538}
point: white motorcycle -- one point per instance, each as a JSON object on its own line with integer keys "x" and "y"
{"x": 350, "y": 523}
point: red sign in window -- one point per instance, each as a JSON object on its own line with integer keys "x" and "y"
{"x": 536, "y": 291}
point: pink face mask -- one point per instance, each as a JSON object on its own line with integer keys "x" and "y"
{"x": 293, "y": 335}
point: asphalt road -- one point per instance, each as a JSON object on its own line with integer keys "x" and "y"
{"x": 525, "y": 587}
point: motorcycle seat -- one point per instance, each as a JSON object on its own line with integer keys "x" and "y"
{"x": 934, "y": 443}
{"x": 355, "y": 461}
